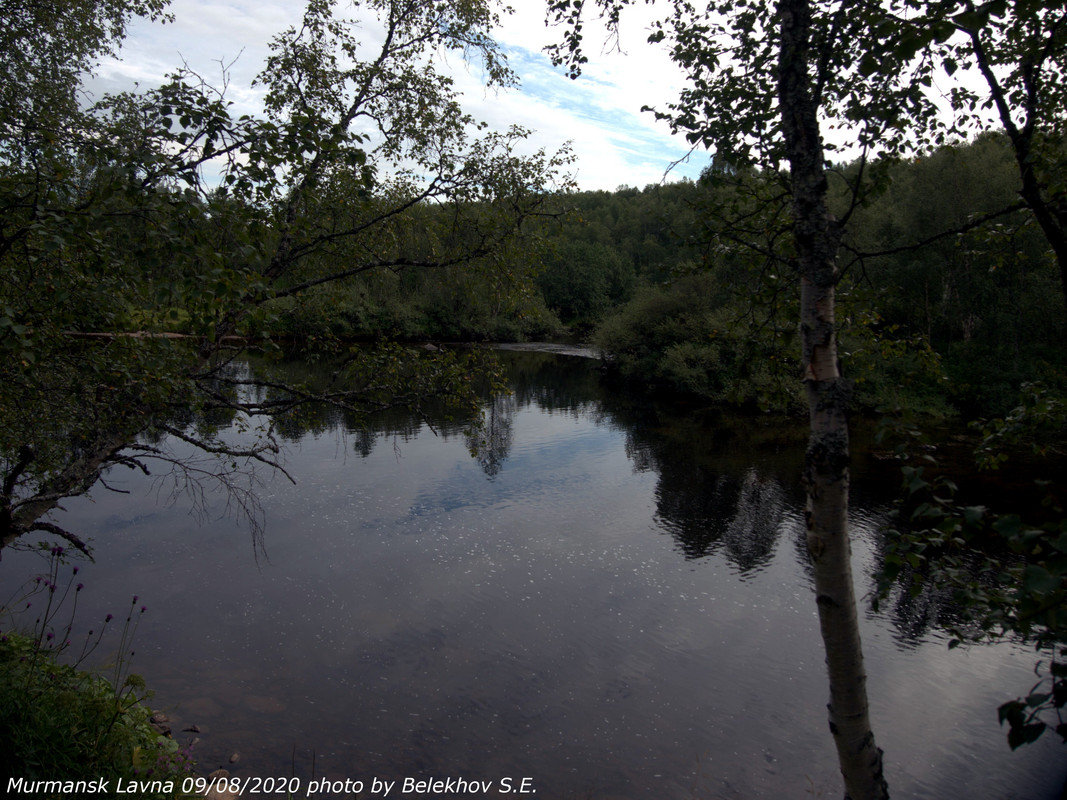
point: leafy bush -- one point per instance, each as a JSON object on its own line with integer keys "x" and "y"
{"x": 581, "y": 280}
{"x": 1005, "y": 572}
{"x": 687, "y": 338}
{"x": 892, "y": 370}
{"x": 388, "y": 308}
{"x": 60, "y": 723}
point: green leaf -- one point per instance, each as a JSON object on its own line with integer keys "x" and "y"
{"x": 1038, "y": 580}
{"x": 1027, "y": 734}
{"x": 869, "y": 64}
{"x": 1008, "y": 526}
{"x": 972, "y": 515}
{"x": 1038, "y": 699}
{"x": 909, "y": 44}
{"x": 973, "y": 20}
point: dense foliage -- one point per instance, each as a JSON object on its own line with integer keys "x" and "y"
{"x": 948, "y": 304}
{"x": 59, "y": 721}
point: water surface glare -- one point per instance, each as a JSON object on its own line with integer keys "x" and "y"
{"x": 612, "y": 602}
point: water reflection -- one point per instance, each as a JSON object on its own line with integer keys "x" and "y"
{"x": 611, "y": 598}
{"x": 738, "y": 515}
{"x": 490, "y": 441}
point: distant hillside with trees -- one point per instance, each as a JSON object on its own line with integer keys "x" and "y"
{"x": 949, "y": 302}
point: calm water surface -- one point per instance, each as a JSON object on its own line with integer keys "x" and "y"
{"x": 607, "y": 598}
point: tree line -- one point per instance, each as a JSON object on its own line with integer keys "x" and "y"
{"x": 940, "y": 314}
{"x": 949, "y": 301}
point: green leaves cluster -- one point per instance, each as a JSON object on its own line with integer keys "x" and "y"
{"x": 1029, "y": 718}
{"x": 1005, "y": 576}
{"x": 1038, "y": 422}
{"x": 1005, "y": 572}
{"x": 694, "y": 338}
{"x": 1008, "y": 575}
{"x": 58, "y": 721}
{"x": 47, "y": 47}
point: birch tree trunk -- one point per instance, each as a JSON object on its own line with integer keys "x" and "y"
{"x": 826, "y": 462}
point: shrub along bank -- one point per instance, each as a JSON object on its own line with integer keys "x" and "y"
{"x": 68, "y": 732}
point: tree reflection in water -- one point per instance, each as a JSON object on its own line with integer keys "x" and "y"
{"x": 613, "y": 589}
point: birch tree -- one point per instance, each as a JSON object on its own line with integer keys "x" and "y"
{"x": 763, "y": 79}
{"x": 994, "y": 64}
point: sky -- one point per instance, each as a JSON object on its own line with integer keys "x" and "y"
{"x": 615, "y": 144}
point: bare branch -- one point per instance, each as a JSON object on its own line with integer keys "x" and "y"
{"x": 49, "y": 527}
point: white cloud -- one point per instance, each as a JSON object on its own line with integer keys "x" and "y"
{"x": 599, "y": 113}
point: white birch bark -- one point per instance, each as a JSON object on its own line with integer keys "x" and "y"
{"x": 826, "y": 462}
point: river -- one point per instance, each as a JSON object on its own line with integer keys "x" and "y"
{"x": 609, "y": 598}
